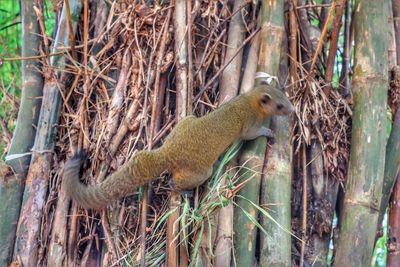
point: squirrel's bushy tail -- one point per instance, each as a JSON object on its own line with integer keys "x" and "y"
{"x": 141, "y": 169}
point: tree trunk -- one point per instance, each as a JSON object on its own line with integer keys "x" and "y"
{"x": 364, "y": 185}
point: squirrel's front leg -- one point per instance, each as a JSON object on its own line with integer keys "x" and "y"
{"x": 255, "y": 132}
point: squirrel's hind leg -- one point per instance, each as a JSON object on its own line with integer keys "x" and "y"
{"x": 185, "y": 180}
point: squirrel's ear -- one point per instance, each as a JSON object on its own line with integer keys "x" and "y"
{"x": 265, "y": 98}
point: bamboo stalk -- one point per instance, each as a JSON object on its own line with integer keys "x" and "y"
{"x": 230, "y": 77}
{"x": 271, "y": 37}
{"x": 229, "y": 85}
{"x": 251, "y": 65}
{"x": 19, "y": 156}
{"x": 364, "y": 184}
{"x": 393, "y": 246}
{"x": 392, "y": 164}
{"x": 245, "y": 231}
{"x": 39, "y": 172}
{"x": 182, "y": 108}
{"x": 396, "y": 21}
{"x": 325, "y": 191}
{"x": 276, "y": 197}
{"x": 392, "y": 52}
{"x": 276, "y": 243}
{"x": 181, "y": 49}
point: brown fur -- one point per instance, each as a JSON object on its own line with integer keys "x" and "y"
{"x": 189, "y": 151}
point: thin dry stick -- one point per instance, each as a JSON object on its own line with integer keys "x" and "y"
{"x": 293, "y": 42}
{"x": 190, "y": 59}
{"x": 71, "y": 31}
{"x": 5, "y": 129}
{"x": 211, "y": 81}
{"x": 333, "y": 44}
{"x": 31, "y": 57}
{"x": 305, "y": 207}
{"x": 85, "y": 36}
{"x": 84, "y": 134}
{"x": 321, "y": 39}
{"x": 157, "y": 99}
{"x": 39, "y": 14}
{"x": 73, "y": 226}
{"x": 216, "y": 26}
{"x": 346, "y": 52}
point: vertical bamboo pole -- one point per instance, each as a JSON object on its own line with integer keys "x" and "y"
{"x": 229, "y": 85}
{"x": 181, "y": 52}
{"x": 39, "y": 172}
{"x": 271, "y": 36}
{"x": 364, "y": 185}
{"x": 19, "y": 156}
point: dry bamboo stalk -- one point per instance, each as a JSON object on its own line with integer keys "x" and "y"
{"x": 181, "y": 54}
{"x": 39, "y": 172}
{"x": 229, "y": 87}
{"x": 251, "y": 65}
{"x": 118, "y": 96}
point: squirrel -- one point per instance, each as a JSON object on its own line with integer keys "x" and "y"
{"x": 188, "y": 152}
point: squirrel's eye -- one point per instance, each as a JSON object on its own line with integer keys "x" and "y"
{"x": 279, "y": 106}
{"x": 265, "y": 99}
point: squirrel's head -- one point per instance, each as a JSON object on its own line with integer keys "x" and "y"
{"x": 271, "y": 100}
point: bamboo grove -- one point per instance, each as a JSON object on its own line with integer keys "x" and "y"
{"x": 114, "y": 77}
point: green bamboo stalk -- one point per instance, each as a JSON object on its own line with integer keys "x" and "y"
{"x": 364, "y": 184}
{"x": 245, "y": 230}
{"x": 276, "y": 197}
{"x": 271, "y": 37}
{"x": 229, "y": 87}
{"x": 19, "y": 156}
{"x": 392, "y": 164}
{"x": 35, "y": 192}
{"x": 276, "y": 182}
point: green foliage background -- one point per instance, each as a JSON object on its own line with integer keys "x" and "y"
{"x": 10, "y": 71}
